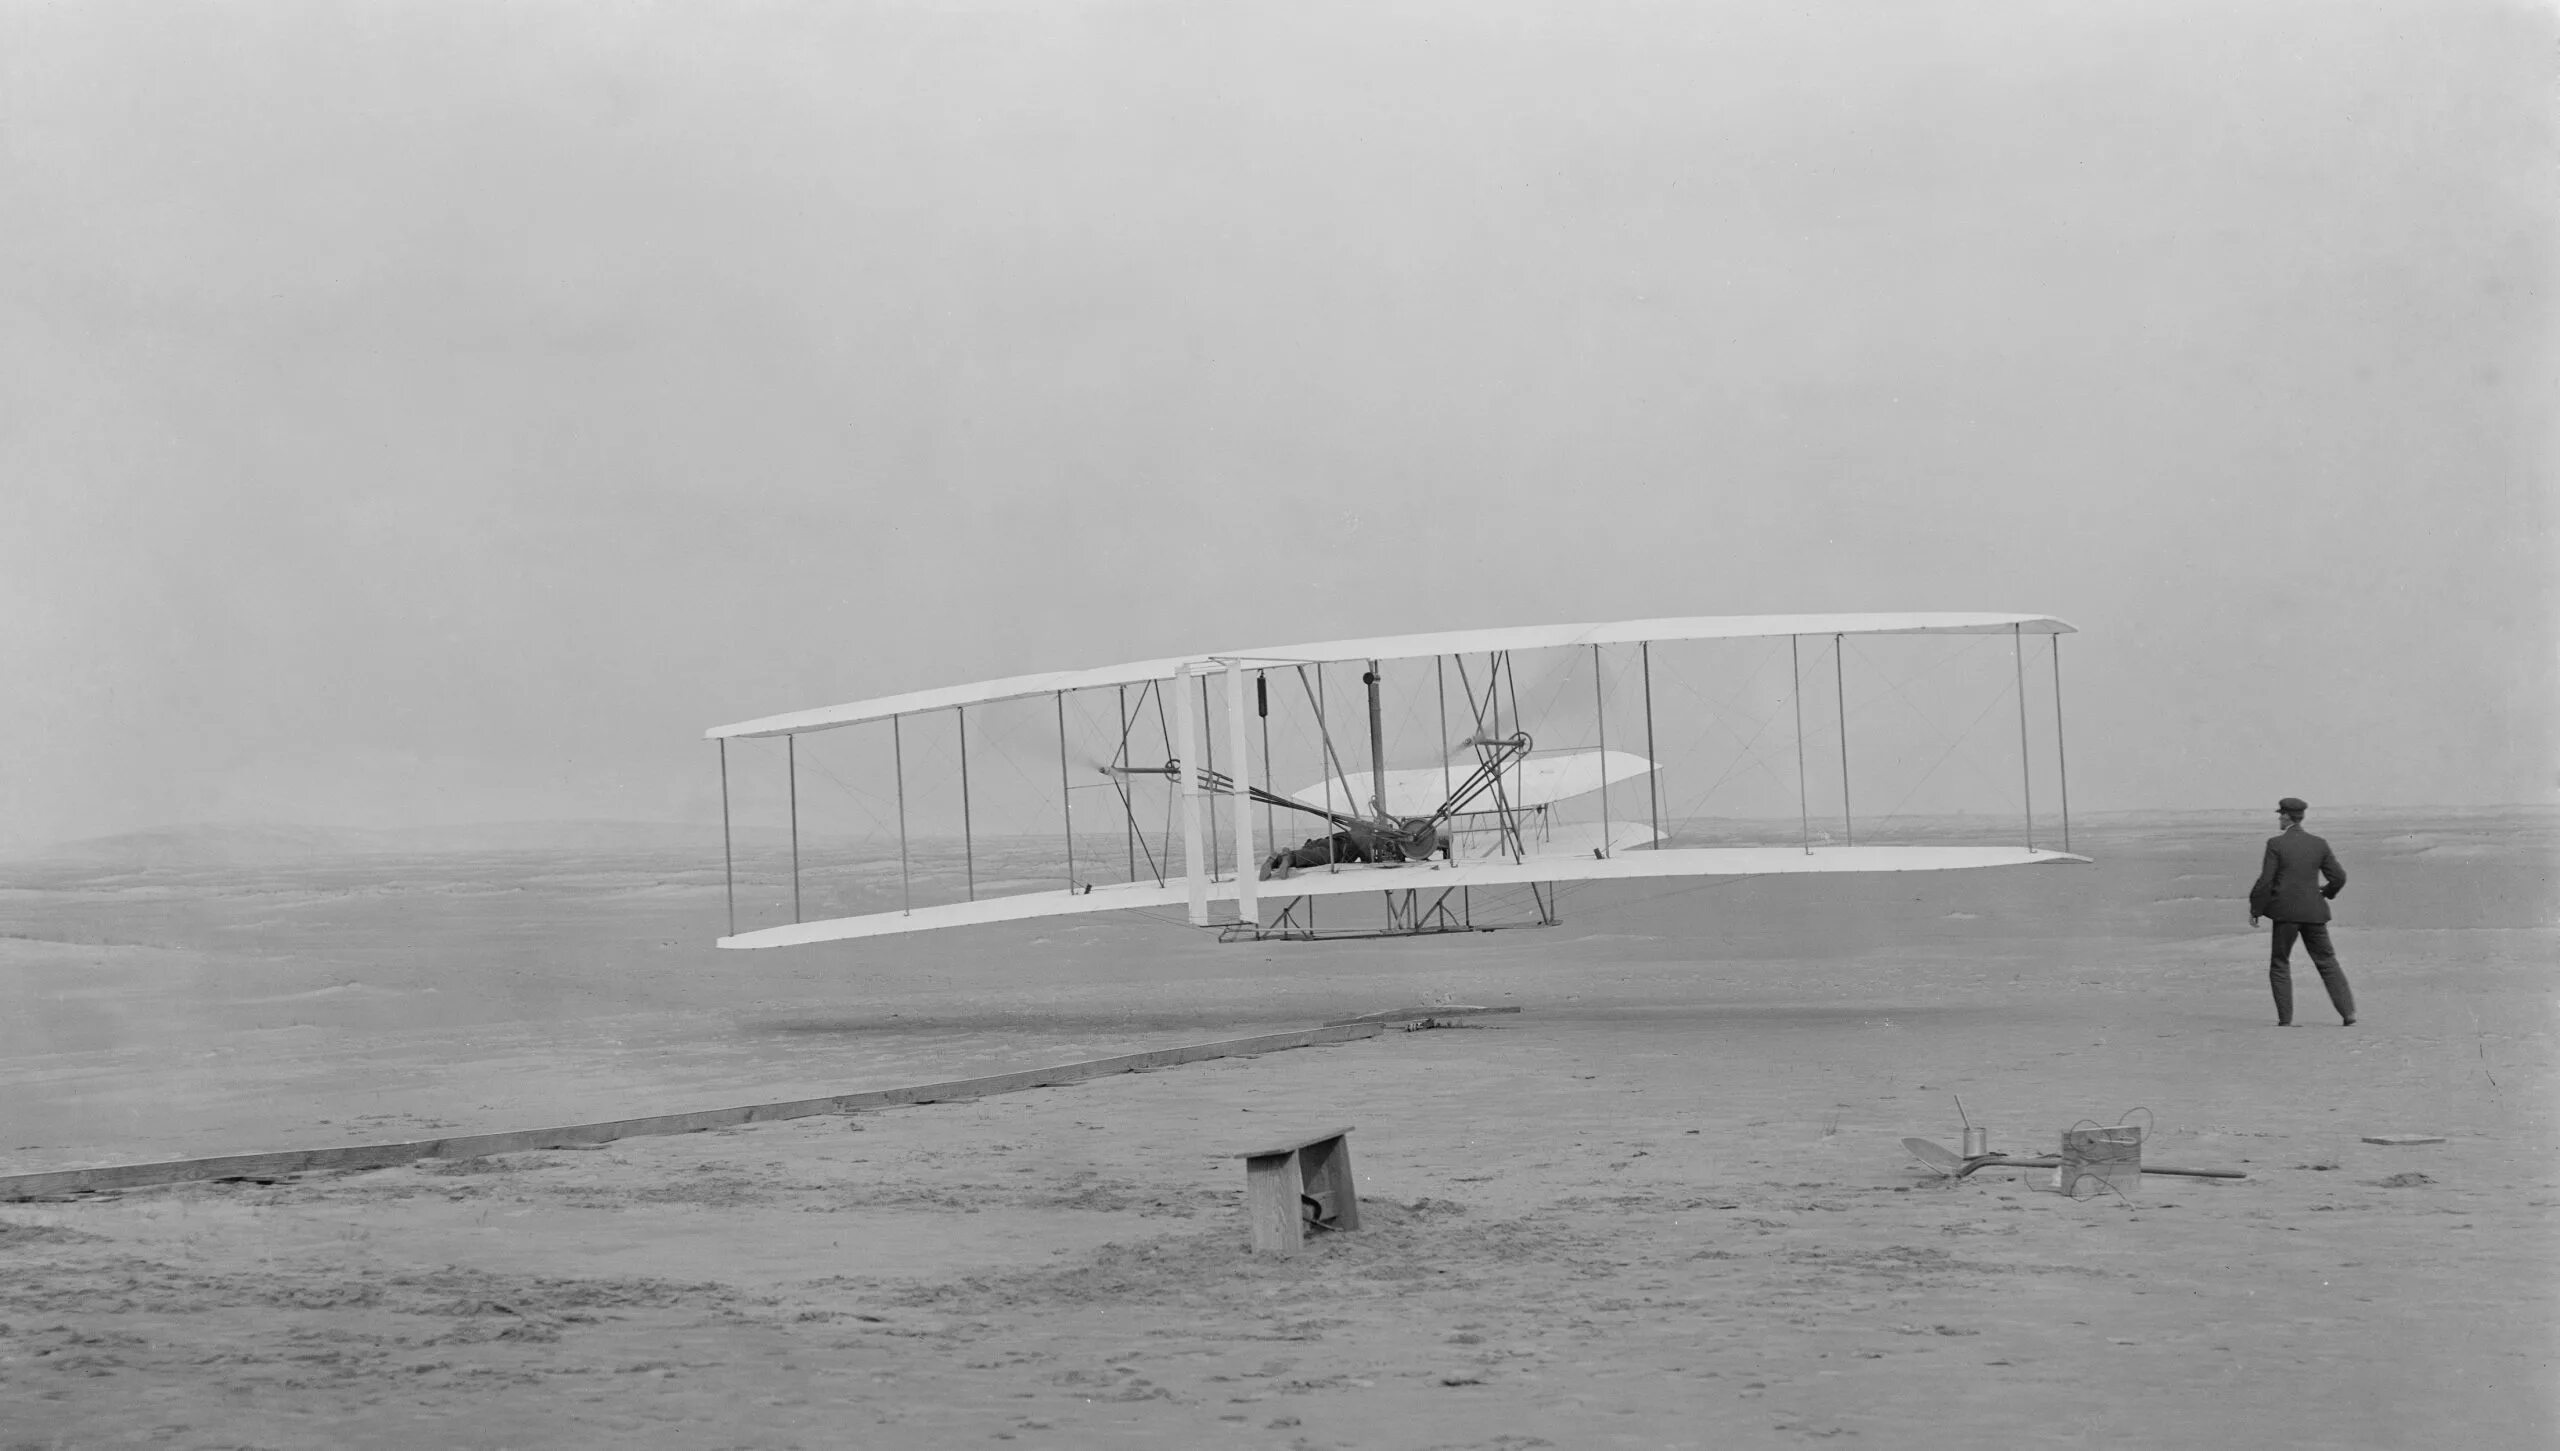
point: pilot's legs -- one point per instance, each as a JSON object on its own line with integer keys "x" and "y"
{"x": 2280, "y": 970}
{"x": 1318, "y": 852}
{"x": 1287, "y": 860}
{"x": 2315, "y": 937}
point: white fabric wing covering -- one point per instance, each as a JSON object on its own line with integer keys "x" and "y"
{"x": 1541, "y": 780}
{"x": 1398, "y": 647}
{"x": 1480, "y": 838}
{"x": 1430, "y": 877}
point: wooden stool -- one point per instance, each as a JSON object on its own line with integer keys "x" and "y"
{"x": 1307, "y": 1181}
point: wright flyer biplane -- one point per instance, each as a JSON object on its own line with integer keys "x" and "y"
{"x": 1408, "y": 785}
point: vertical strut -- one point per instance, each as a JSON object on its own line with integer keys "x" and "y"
{"x": 1652, "y": 778}
{"x": 1066, "y": 802}
{"x": 898, "y": 763}
{"x": 1487, "y": 754}
{"x": 1187, "y": 720}
{"x": 1377, "y": 744}
{"x": 1209, "y": 757}
{"x": 1173, "y": 757}
{"x": 1337, "y": 769}
{"x": 1795, "y": 692}
{"x": 728, "y": 856}
{"x": 1840, "y": 693}
{"x": 1128, "y": 816}
{"x": 2061, "y": 759}
{"x": 1240, "y": 804}
{"x": 1440, "y": 685}
{"x": 1262, "y": 709}
{"x": 2026, "y": 776}
{"x": 1600, "y": 715}
{"x": 968, "y": 841}
{"x": 1519, "y": 764}
{"x": 791, "y": 786}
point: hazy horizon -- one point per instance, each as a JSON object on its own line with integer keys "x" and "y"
{"x": 769, "y": 842}
{"x": 429, "y": 415}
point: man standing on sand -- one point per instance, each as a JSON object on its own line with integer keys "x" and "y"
{"x": 2301, "y": 874}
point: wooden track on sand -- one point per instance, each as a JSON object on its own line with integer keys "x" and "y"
{"x": 272, "y": 1166}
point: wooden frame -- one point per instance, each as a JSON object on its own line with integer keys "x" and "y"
{"x": 1296, "y": 1184}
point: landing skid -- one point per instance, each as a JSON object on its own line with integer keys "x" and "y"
{"x": 1407, "y": 916}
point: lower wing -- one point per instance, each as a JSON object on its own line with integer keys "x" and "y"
{"x": 1744, "y": 861}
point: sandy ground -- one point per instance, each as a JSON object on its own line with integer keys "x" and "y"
{"x": 1663, "y": 1205}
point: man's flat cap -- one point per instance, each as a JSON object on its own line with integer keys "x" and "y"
{"x": 2293, "y": 804}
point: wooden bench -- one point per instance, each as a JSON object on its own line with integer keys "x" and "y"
{"x": 1296, "y": 1184}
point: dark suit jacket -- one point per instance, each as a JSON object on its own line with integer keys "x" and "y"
{"x": 2300, "y": 876}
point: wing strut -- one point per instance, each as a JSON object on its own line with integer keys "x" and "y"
{"x": 1316, "y": 699}
{"x": 1164, "y": 730}
{"x": 1240, "y": 802}
{"x": 1119, "y": 774}
{"x": 1485, "y": 762}
{"x": 898, "y": 763}
{"x": 1840, "y": 695}
{"x": 1600, "y": 715}
{"x": 1377, "y": 744}
{"x": 1121, "y": 785}
{"x": 791, "y": 779}
{"x": 1066, "y": 801}
{"x": 1262, "y": 709}
{"x": 1497, "y": 668}
{"x": 2061, "y": 758}
{"x": 1440, "y": 684}
{"x": 968, "y": 842}
{"x": 2026, "y": 776}
{"x": 1187, "y": 720}
{"x": 728, "y": 856}
{"x": 1209, "y": 755}
{"x": 1795, "y": 693}
{"x": 1653, "y": 778}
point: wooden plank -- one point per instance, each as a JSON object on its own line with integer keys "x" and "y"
{"x": 1271, "y": 1189}
{"x": 2054, "y": 1161}
{"x": 280, "y": 1164}
{"x": 1327, "y": 1168}
{"x": 1398, "y": 1015}
{"x": 2403, "y": 1140}
{"x": 1291, "y": 1146}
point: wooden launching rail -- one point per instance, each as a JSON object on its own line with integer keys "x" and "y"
{"x": 271, "y": 1166}
{"x": 1424, "y": 1014}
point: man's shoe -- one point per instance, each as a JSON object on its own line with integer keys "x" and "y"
{"x": 2349, "y": 1023}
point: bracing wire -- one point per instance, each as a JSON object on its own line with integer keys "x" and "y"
{"x": 1958, "y": 744}
{"x": 858, "y": 797}
{"x": 1717, "y": 714}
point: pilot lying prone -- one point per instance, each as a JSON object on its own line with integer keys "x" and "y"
{"x": 1413, "y": 839}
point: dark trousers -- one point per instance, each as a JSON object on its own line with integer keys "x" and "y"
{"x": 2315, "y": 936}
{"x": 1342, "y": 846}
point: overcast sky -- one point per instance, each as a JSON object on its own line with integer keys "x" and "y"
{"x": 429, "y": 412}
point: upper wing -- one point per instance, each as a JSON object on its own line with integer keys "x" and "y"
{"x": 1399, "y": 647}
